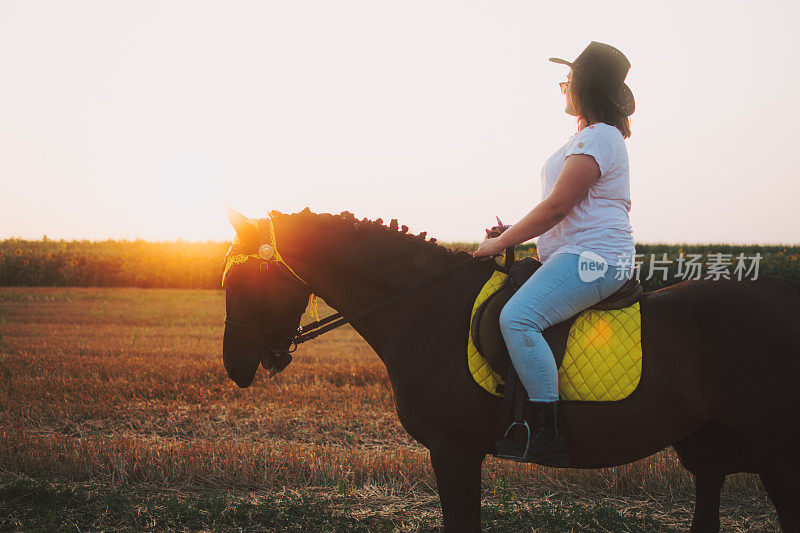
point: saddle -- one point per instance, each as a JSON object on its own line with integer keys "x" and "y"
{"x": 485, "y": 325}
{"x": 598, "y": 351}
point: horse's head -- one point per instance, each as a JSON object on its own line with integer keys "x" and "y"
{"x": 264, "y": 301}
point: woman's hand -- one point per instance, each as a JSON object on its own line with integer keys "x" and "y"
{"x": 489, "y": 247}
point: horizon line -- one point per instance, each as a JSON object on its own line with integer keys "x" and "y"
{"x": 181, "y": 240}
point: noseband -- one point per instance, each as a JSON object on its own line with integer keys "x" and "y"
{"x": 281, "y": 350}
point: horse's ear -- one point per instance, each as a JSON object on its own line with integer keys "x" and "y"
{"x": 245, "y": 230}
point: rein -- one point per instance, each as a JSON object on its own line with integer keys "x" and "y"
{"x": 318, "y": 327}
{"x": 314, "y": 329}
{"x": 283, "y": 348}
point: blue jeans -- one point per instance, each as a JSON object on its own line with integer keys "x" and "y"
{"x": 554, "y": 293}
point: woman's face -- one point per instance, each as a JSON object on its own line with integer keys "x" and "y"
{"x": 570, "y": 109}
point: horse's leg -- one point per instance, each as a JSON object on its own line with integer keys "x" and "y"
{"x": 710, "y": 454}
{"x": 458, "y": 478}
{"x": 708, "y": 481}
{"x": 783, "y": 491}
{"x": 707, "y": 486}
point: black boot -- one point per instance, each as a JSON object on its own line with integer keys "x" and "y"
{"x": 537, "y": 439}
{"x": 548, "y": 446}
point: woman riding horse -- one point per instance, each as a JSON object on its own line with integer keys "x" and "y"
{"x": 585, "y": 241}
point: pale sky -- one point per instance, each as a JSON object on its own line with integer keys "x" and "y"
{"x": 128, "y": 119}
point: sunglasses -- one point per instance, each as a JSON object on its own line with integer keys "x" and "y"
{"x": 564, "y": 85}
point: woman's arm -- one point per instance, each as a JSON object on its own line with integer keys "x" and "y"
{"x": 577, "y": 176}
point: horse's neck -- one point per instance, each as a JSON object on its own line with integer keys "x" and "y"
{"x": 351, "y": 272}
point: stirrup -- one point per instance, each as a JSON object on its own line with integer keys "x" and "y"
{"x": 506, "y": 446}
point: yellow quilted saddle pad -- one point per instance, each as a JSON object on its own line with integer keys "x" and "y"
{"x": 603, "y": 358}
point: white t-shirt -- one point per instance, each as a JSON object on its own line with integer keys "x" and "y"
{"x": 599, "y": 221}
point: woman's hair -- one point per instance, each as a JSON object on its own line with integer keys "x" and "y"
{"x": 594, "y": 106}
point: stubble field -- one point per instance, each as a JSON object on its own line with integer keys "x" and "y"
{"x": 116, "y": 413}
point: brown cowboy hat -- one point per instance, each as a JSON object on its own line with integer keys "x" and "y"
{"x": 605, "y": 67}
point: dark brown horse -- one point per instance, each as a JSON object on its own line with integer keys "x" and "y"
{"x": 721, "y": 360}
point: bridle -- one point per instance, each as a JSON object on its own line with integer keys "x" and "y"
{"x": 282, "y": 349}
{"x": 268, "y": 254}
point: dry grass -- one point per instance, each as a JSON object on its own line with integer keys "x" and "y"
{"x": 126, "y": 386}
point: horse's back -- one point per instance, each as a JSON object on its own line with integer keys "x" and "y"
{"x": 735, "y": 344}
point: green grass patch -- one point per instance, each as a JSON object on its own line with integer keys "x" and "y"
{"x": 36, "y": 505}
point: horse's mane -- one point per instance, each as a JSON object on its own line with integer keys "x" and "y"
{"x": 348, "y": 221}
